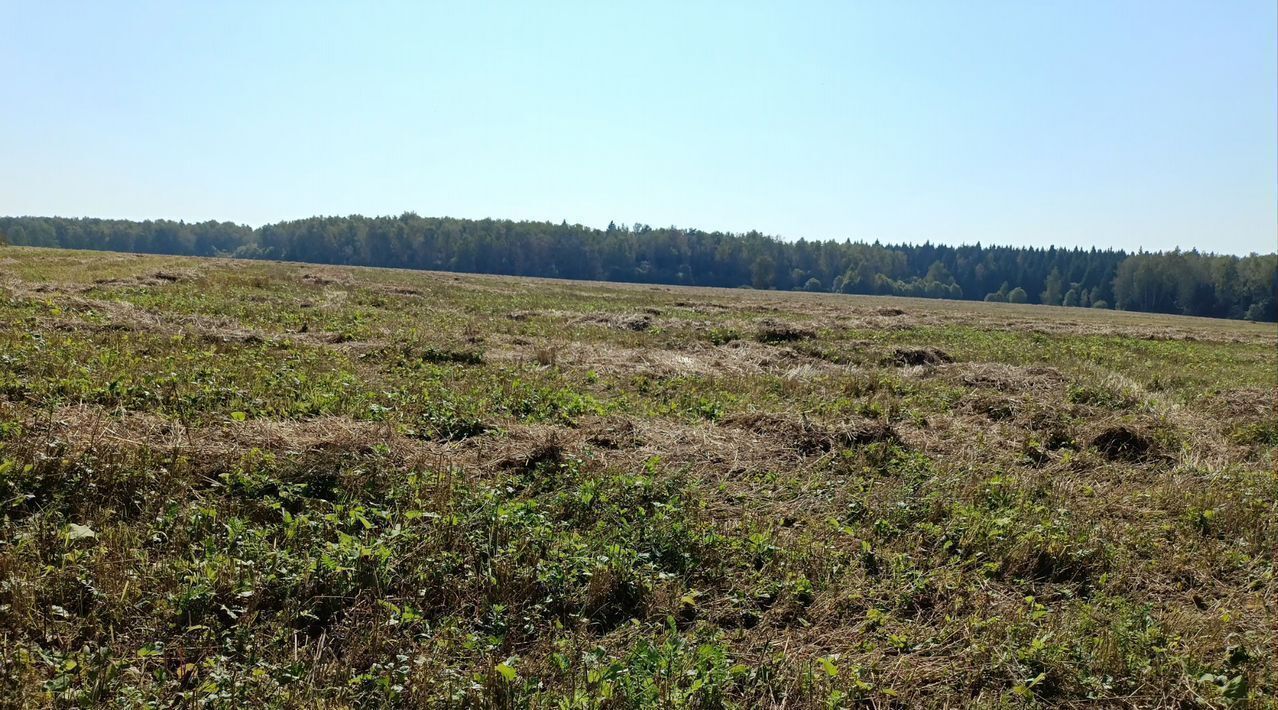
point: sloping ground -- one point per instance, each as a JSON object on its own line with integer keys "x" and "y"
{"x": 258, "y": 484}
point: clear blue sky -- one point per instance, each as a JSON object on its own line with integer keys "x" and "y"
{"x": 1108, "y": 123}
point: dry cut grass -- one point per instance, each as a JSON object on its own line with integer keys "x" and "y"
{"x": 227, "y": 483}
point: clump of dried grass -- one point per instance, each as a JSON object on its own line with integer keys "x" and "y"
{"x": 635, "y": 322}
{"x": 334, "y": 277}
{"x": 771, "y": 331}
{"x": 809, "y": 438}
{"x": 913, "y": 357}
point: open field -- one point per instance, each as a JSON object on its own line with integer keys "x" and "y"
{"x": 253, "y": 484}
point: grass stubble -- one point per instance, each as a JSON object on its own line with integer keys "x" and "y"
{"x": 232, "y": 483}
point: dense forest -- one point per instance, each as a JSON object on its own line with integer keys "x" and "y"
{"x": 1187, "y": 283}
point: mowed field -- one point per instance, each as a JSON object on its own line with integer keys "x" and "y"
{"x": 252, "y": 484}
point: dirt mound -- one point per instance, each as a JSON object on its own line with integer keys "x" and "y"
{"x": 1123, "y": 443}
{"x": 809, "y": 438}
{"x": 527, "y": 449}
{"x": 992, "y": 407}
{"x": 1008, "y": 378}
{"x": 549, "y": 452}
{"x": 774, "y": 332}
{"x": 909, "y": 357}
{"x": 637, "y": 322}
{"x": 701, "y": 307}
{"x": 319, "y": 279}
{"x": 613, "y": 433}
{"x": 157, "y": 278}
{"x": 402, "y": 290}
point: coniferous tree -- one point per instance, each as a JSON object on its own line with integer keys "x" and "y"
{"x": 1052, "y": 290}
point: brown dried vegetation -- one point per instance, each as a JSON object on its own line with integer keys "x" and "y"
{"x": 286, "y": 485}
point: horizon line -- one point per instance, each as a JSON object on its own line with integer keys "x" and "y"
{"x": 630, "y": 227}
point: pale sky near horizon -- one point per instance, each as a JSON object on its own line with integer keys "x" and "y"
{"x": 1100, "y": 123}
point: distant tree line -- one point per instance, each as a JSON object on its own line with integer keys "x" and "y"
{"x": 1187, "y": 283}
